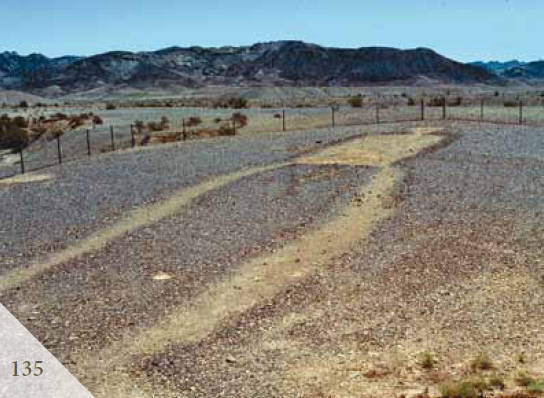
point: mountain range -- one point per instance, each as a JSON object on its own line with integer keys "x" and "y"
{"x": 280, "y": 63}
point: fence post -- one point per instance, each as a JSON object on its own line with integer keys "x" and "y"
{"x": 132, "y": 141}
{"x": 520, "y": 112}
{"x": 422, "y": 110}
{"x": 332, "y": 116}
{"x": 444, "y": 108}
{"x": 377, "y": 113}
{"x": 88, "y": 144}
{"x": 283, "y": 120}
{"x": 59, "y": 150}
{"x": 234, "y": 125}
{"x": 184, "y": 131}
{"x": 482, "y": 110}
{"x": 112, "y": 140}
{"x": 22, "y": 161}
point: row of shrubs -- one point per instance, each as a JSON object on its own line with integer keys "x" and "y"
{"x": 238, "y": 118}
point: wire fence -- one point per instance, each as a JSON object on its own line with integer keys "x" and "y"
{"x": 85, "y": 143}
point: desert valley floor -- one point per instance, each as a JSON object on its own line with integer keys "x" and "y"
{"x": 381, "y": 261}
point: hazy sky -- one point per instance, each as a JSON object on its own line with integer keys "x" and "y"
{"x": 465, "y": 30}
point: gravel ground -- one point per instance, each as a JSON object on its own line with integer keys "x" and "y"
{"x": 90, "y": 302}
{"x": 84, "y": 196}
{"x": 457, "y": 271}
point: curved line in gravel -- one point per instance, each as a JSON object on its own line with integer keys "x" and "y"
{"x": 25, "y": 178}
{"x": 255, "y": 281}
{"x": 135, "y": 219}
{"x": 263, "y": 277}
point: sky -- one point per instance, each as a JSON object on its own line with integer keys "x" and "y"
{"x": 465, "y": 30}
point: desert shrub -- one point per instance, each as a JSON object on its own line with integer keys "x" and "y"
{"x": 523, "y": 379}
{"x": 458, "y": 390}
{"x": 110, "y": 106}
{"x": 237, "y": 103}
{"x": 455, "y": 102}
{"x": 356, "y": 101}
{"x": 481, "y": 362}
{"x": 427, "y": 360}
{"x": 436, "y": 101}
{"x": 84, "y": 116}
{"x": 496, "y": 93}
{"x": 193, "y": 121}
{"x": 19, "y": 121}
{"x": 97, "y": 120}
{"x": 536, "y": 387}
{"x": 226, "y": 130}
{"x": 217, "y": 120}
{"x": 57, "y": 133}
{"x": 411, "y": 101}
{"x": 240, "y": 119}
{"x": 521, "y": 357}
{"x": 59, "y": 116}
{"x": 164, "y": 122}
{"x": 497, "y": 382}
{"x": 511, "y": 104}
{"x": 76, "y": 121}
{"x": 145, "y": 140}
{"x": 11, "y": 136}
{"x": 154, "y": 126}
{"x": 139, "y": 125}
{"x": 277, "y": 115}
{"x": 23, "y": 104}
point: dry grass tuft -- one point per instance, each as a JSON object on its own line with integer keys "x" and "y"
{"x": 481, "y": 362}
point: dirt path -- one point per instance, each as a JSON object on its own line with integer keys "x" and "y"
{"x": 266, "y": 276}
{"x": 137, "y": 219}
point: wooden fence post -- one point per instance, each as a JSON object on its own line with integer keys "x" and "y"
{"x": 112, "y": 140}
{"x": 332, "y": 116}
{"x": 422, "y": 110}
{"x": 234, "y": 125}
{"x": 377, "y": 113}
{"x": 59, "y": 151}
{"x": 482, "y": 110}
{"x": 520, "y": 112}
{"x": 444, "y": 108}
{"x": 22, "y": 161}
{"x": 283, "y": 120}
{"x": 184, "y": 131}
{"x": 88, "y": 144}
{"x": 132, "y": 140}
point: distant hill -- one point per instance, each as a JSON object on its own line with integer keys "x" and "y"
{"x": 498, "y": 68}
{"x": 531, "y": 70}
{"x": 282, "y": 63}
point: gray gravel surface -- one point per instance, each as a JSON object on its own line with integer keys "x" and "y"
{"x": 83, "y": 196}
{"x": 89, "y": 302}
{"x": 468, "y": 210}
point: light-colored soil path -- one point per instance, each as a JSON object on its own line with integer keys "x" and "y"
{"x": 136, "y": 219}
{"x": 264, "y": 277}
